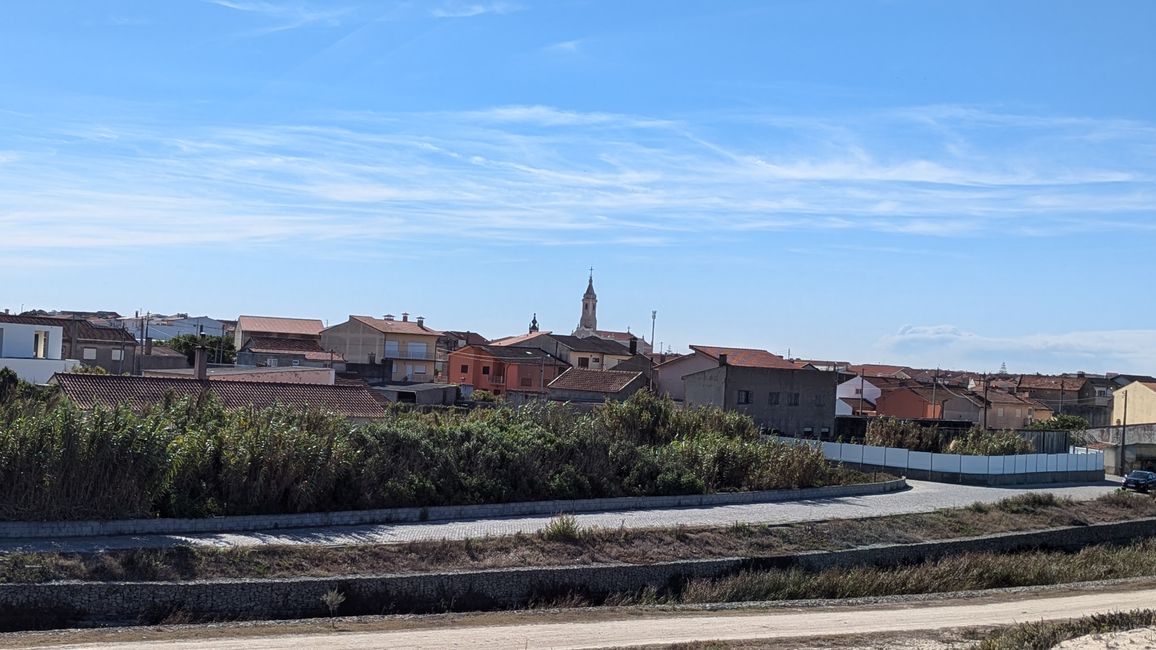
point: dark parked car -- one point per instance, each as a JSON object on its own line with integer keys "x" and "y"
{"x": 1140, "y": 480}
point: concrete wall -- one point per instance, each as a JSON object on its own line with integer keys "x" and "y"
{"x": 38, "y": 371}
{"x": 815, "y": 389}
{"x": 1021, "y": 469}
{"x": 72, "y": 604}
{"x": 668, "y": 376}
{"x": 1141, "y": 405}
{"x": 18, "y": 340}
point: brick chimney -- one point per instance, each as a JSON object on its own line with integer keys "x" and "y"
{"x": 388, "y": 317}
{"x": 421, "y": 321}
{"x": 722, "y": 359}
{"x": 148, "y": 347}
{"x": 405, "y": 316}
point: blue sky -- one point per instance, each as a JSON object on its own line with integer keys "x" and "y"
{"x": 921, "y": 182}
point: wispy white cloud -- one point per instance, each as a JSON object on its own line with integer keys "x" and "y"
{"x": 1101, "y": 350}
{"x": 285, "y": 15}
{"x": 544, "y": 175}
{"x": 566, "y": 47}
{"x": 471, "y": 9}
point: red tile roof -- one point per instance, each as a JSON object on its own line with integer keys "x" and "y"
{"x": 395, "y": 326}
{"x": 878, "y": 370}
{"x": 308, "y": 348}
{"x": 140, "y": 393}
{"x": 277, "y": 325}
{"x": 747, "y": 357}
{"x": 1050, "y": 382}
{"x": 594, "y": 381}
{"x": 75, "y": 329}
{"x": 514, "y": 340}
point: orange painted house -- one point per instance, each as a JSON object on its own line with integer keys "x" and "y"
{"x": 911, "y": 403}
{"x": 504, "y": 370}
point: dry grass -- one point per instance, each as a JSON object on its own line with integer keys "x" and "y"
{"x": 591, "y": 546}
{"x": 1047, "y": 634}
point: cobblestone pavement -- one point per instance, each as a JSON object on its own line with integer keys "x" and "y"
{"x": 922, "y": 497}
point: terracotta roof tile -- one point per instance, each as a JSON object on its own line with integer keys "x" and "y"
{"x": 1049, "y": 382}
{"x": 594, "y": 381}
{"x": 747, "y": 357}
{"x": 278, "y": 325}
{"x": 395, "y": 326}
{"x": 140, "y": 393}
{"x": 308, "y": 348}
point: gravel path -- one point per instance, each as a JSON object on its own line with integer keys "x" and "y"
{"x": 922, "y": 497}
{"x": 654, "y": 629}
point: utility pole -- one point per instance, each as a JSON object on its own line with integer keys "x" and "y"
{"x": 653, "y": 317}
{"x": 1123, "y": 433}
{"x": 986, "y": 404}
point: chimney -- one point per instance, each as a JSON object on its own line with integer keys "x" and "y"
{"x": 421, "y": 321}
{"x": 201, "y": 363}
{"x": 633, "y": 346}
{"x": 405, "y": 316}
{"x": 148, "y": 347}
{"x": 388, "y": 317}
{"x": 722, "y": 359}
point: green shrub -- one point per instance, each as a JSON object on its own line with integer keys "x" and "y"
{"x": 980, "y": 442}
{"x": 194, "y": 458}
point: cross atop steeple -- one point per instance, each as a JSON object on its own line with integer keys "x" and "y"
{"x": 591, "y": 273}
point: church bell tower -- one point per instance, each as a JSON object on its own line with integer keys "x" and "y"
{"x": 589, "y": 321}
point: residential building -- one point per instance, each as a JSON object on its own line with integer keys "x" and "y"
{"x": 111, "y": 348}
{"x": 879, "y": 370}
{"x": 275, "y": 327}
{"x": 1007, "y": 410}
{"x": 33, "y": 351}
{"x": 856, "y": 396}
{"x": 1134, "y": 404}
{"x": 515, "y": 372}
{"x": 587, "y": 385}
{"x": 592, "y": 353}
{"x": 669, "y": 376}
{"x": 159, "y": 357}
{"x": 387, "y": 350}
{"x": 785, "y": 399}
{"x": 141, "y": 393}
{"x": 419, "y": 394}
{"x": 272, "y": 352}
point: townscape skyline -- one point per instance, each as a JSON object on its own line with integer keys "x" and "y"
{"x": 958, "y": 186}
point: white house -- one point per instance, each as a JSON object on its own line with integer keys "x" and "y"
{"x": 33, "y": 352}
{"x": 849, "y": 393}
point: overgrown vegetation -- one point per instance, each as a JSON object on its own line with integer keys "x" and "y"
{"x": 193, "y": 458}
{"x": 964, "y": 572}
{"x": 1060, "y": 422}
{"x": 977, "y": 441}
{"x": 1044, "y": 635}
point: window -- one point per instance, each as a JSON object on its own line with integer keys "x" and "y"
{"x": 485, "y": 370}
{"x": 296, "y": 362}
{"x": 271, "y": 362}
{"x": 583, "y": 362}
{"x": 465, "y": 368}
{"x": 858, "y": 391}
{"x": 118, "y": 355}
{"x": 792, "y": 399}
{"x": 999, "y": 411}
{"x": 415, "y": 350}
{"x": 526, "y": 381}
{"x": 744, "y": 397}
{"x": 40, "y": 344}
{"x": 818, "y": 400}
{"x": 773, "y": 399}
{"x": 391, "y": 350}
{"x": 419, "y": 369}
{"x": 90, "y": 354}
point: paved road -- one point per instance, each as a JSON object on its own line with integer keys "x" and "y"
{"x": 655, "y": 628}
{"x": 922, "y": 497}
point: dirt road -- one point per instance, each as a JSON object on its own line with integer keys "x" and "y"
{"x": 656, "y": 628}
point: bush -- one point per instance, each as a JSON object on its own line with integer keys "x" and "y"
{"x": 980, "y": 442}
{"x": 903, "y": 434}
{"x": 193, "y": 458}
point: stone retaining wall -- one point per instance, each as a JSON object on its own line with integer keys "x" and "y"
{"x": 41, "y": 529}
{"x": 69, "y": 604}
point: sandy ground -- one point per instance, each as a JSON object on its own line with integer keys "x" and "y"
{"x": 1131, "y": 640}
{"x": 655, "y": 628}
